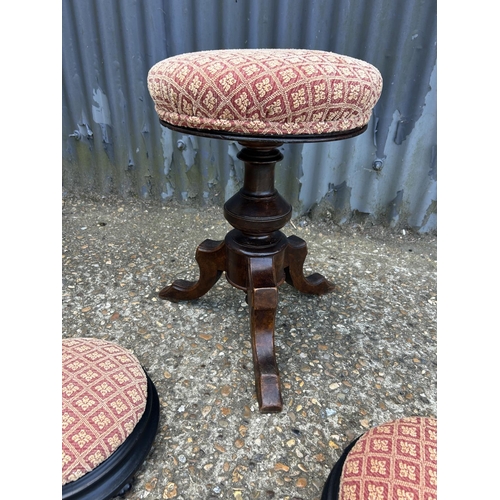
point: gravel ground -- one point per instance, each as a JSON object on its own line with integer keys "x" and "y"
{"x": 349, "y": 360}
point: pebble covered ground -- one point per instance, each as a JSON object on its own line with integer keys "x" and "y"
{"x": 360, "y": 356}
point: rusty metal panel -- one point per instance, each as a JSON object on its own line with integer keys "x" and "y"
{"x": 113, "y": 143}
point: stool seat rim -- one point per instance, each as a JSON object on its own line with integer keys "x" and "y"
{"x": 113, "y": 475}
{"x": 277, "y": 92}
{"x": 268, "y": 139}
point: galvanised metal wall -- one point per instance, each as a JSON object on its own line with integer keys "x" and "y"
{"x": 113, "y": 143}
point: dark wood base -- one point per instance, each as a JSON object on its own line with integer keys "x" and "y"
{"x": 256, "y": 258}
{"x": 331, "y": 487}
{"x": 259, "y": 273}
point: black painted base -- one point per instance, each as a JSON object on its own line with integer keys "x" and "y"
{"x": 332, "y": 485}
{"x": 114, "y": 476}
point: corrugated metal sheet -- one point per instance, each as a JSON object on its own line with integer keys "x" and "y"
{"x": 114, "y": 144}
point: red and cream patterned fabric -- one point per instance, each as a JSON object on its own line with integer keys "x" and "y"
{"x": 104, "y": 394}
{"x": 265, "y": 91}
{"x": 395, "y": 461}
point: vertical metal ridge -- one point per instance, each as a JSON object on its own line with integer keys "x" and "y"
{"x": 108, "y": 48}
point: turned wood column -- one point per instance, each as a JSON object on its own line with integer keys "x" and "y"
{"x": 257, "y": 213}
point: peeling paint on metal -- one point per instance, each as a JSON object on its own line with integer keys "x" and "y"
{"x": 100, "y": 107}
{"x": 168, "y": 149}
{"x": 235, "y": 174}
{"x": 113, "y": 142}
{"x": 189, "y": 149}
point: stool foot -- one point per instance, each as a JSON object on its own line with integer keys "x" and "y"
{"x": 263, "y": 300}
{"x": 296, "y": 252}
{"x": 211, "y": 258}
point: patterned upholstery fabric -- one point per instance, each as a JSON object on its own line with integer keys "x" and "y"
{"x": 104, "y": 394}
{"x": 397, "y": 460}
{"x": 265, "y": 91}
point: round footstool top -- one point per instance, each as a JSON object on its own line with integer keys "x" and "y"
{"x": 104, "y": 394}
{"x": 395, "y": 460}
{"x": 262, "y": 92}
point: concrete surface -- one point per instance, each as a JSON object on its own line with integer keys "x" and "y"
{"x": 350, "y": 360}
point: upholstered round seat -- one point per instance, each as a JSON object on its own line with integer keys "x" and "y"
{"x": 262, "y": 92}
{"x": 395, "y": 460}
{"x": 109, "y": 418}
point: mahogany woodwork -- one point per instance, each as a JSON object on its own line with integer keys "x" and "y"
{"x": 256, "y": 256}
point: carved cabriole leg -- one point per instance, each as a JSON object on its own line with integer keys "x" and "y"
{"x": 263, "y": 300}
{"x": 211, "y": 258}
{"x": 295, "y": 256}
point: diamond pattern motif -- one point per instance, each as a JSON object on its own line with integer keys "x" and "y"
{"x": 265, "y": 91}
{"x": 395, "y": 461}
{"x": 104, "y": 394}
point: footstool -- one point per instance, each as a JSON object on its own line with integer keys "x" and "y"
{"x": 396, "y": 460}
{"x": 261, "y": 98}
{"x": 110, "y": 413}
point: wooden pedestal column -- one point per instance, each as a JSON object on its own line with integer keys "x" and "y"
{"x": 256, "y": 257}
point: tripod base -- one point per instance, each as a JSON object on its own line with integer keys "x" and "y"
{"x": 256, "y": 258}
{"x": 258, "y": 270}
